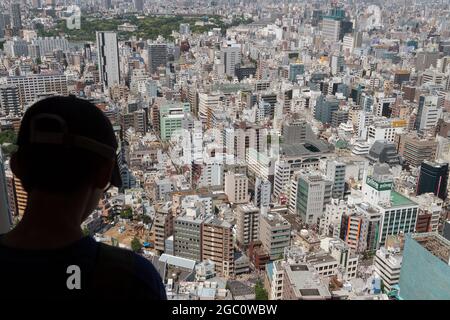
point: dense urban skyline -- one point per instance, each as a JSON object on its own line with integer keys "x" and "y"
{"x": 269, "y": 150}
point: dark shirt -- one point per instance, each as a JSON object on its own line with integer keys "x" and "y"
{"x": 98, "y": 271}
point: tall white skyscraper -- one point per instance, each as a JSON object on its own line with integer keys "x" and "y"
{"x": 5, "y": 214}
{"x": 108, "y": 58}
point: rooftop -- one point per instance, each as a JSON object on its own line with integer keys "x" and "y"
{"x": 399, "y": 200}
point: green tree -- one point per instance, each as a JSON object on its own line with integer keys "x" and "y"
{"x": 86, "y": 232}
{"x": 126, "y": 213}
{"x": 260, "y": 292}
{"x": 136, "y": 245}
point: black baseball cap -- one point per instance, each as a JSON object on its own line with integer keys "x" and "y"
{"x": 70, "y": 122}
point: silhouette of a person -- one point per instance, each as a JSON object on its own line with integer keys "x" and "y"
{"x": 66, "y": 159}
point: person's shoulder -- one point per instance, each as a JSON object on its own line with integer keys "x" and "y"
{"x": 136, "y": 268}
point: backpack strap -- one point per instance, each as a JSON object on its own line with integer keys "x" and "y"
{"x": 113, "y": 271}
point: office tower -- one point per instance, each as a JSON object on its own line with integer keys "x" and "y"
{"x": 415, "y": 150}
{"x": 5, "y": 212}
{"x": 296, "y": 69}
{"x": 36, "y": 4}
{"x": 325, "y": 106}
{"x": 275, "y": 234}
{"x": 296, "y": 132}
{"x": 236, "y": 187}
{"x": 425, "y": 273}
{"x": 430, "y": 210}
{"x": 48, "y": 45}
{"x": 9, "y": 100}
{"x": 16, "y": 19}
{"x": 335, "y": 171}
{"x": 247, "y": 224}
{"x": 33, "y": 86}
{"x": 335, "y": 25}
{"x": 230, "y": 57}
{"x": 136, "y": 120}
{"x": 433, "y": 178}
{"x": 388, "y": 263}
{"x": 107, "y": 4}
{"x": 163, "y": 228}
{"x": 428, "y": 113}
{"x": 157, "y": 56}
{"x": 108, "y": 58}
{"x": 187, "y": 236}
{"x": 313, "y": 194}
{"x": 206, "y": 103}
{"x": 383, "y": 152}
{"x": 2, "y": 25}
{"x": 337, "y": 64}
{"x": 217, "y": 245}
{"x": 171, "y": 117}
{"x": 360, "y": 228}
{"x": 338, "y": 117}
{"x": 16, "y": 48}
{"x": 263, "y": 191}
{"x": 426, "y": 59}
{"x": 139, "y": 5}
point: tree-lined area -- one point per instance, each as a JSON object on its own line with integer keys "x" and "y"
{"x": 148, "y": 27}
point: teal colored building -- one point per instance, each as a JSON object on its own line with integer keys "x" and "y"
{"x": 171, "y": 116}
{"x": 425, "y": 273}
{"x": 296, "y": 69}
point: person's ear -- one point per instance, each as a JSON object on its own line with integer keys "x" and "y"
{"x": 104, "y": 174}
{"x": 15, "y": 165}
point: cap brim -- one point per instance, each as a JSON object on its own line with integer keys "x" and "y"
{"x": 116, "y": 178}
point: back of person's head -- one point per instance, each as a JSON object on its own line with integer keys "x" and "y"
{"x": 62, "y": 143}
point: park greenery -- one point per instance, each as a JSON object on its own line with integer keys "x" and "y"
{"x": 126, "y": 213}
{"x": 148, "y": 27}
{"x": 260, "y": 292}
{"x": 136, "y": 245}
{"x": 8, "y": 141}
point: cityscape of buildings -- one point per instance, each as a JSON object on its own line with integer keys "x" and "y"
{"x": 269, "y": 150}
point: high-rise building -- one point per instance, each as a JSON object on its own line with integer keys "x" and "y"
{"x": 296, "y": 132}
{"x": 171, "y": 116}
{"x": 387, "y": 265}
{"x": 139, "y": 5}
{"x": 425, "y": 273}
{"x": 230, "y": 57}
{"x": 16, "y": 19}
{"x": 296, "y": 69}
{"x": 108, "y": 58}
{"x": 31, "y": 87}
{"x": 236, "y": 187}
{"x": 163, "y": 228}
{"x": 263, "y": 192}
{"x": 275, "y": 234}
{"x": 217, "y": 245}
{"x": 335, "y": 25}
{"x": 428, "y": 113}
{"x": 187, "y": 237}
{"x": 433, "y": 178}
{"x": 2, "y": 25}
{"x": 5, "y": 212}
{"x": 335, "y": 171}
{"x": 9, "y": 100}
{"x": 247, "y": 224}
{"x": 416, "y": 150}
{"x": 47, "y": 45}
{"x": 337, "y": 64}
{"x": 313, "y": 194}
{"x": 157, "y": 56}
{"x": 325, "y": 106}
